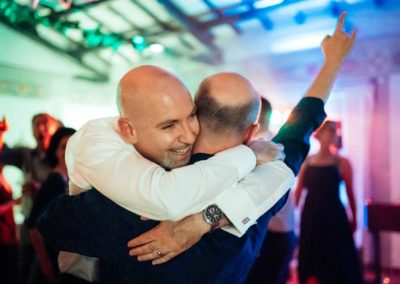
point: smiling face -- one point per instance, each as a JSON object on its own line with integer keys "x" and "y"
{"x": 162, "y": 116}
{"x": 166, "y": 136}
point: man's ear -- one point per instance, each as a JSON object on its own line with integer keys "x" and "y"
{"x": 127, "y": 130}
{"x": 250, "y": 132}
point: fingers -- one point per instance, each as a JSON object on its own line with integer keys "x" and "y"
{"x": 139, "y": 241}
{"x": 156, "y": 255}
{"x": 353, "y": 36}
{"x": 340, "y": 24}
{"x": 149, "y": 256}
{"x": 167, "y": 257}
{"x": 142, "y": 250}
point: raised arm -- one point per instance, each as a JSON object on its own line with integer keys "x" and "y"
{"x": 335, "y": 48}
{"x": 309, "y": 114}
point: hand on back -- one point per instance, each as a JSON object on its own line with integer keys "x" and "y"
{"x": 267, "y": 151}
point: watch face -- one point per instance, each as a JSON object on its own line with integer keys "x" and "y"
{"x": 213, "y": 214}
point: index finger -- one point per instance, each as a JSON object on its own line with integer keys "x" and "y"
{"x": 340, "y": 23}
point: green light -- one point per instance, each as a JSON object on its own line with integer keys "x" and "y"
{"x": 139, "y": 43}
{"x": 109, "y": 40}
{"x": 138, "y": 40}
{"x": 92, "y": 37}
{"x": 3, "y": 5}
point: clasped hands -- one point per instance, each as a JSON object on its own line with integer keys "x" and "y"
{"x": 168, "y": 239}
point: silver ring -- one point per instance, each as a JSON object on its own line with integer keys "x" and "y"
{"x": 158, "y": 252}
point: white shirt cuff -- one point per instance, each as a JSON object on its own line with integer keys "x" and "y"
{"x": 244, "y": 215}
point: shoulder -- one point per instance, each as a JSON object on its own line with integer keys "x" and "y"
{"x": 309, "y": 160}
{"x": 344, "y": 164}
{"x": 93, "y": 138}
{"x": 99, "y": 126}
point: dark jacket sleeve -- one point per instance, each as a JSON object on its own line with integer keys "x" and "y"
{"x": 91, "y": 225}
{"x": 13, "y": 156}
{"x": 295, "y": 134}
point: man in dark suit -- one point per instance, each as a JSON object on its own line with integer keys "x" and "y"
{"x": 92, "y": 225}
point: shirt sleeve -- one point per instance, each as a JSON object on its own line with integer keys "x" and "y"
{"x": 98, "y": 157}
{"x": 257, "y": 193}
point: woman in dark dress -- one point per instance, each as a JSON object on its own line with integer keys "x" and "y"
{"x": 327, "y": 254}
{"x": 55, "y": 185}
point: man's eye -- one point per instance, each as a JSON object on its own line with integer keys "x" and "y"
{"x": 168, "y": 126}
{"x": 193, "y": 114}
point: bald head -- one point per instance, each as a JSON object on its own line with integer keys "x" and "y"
{"x": 227, "y": 102}
{"x": 146, "y": 85}
{"x": 158, "y": 115}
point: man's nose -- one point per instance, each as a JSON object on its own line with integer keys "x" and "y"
{"x": 188, "y": 134}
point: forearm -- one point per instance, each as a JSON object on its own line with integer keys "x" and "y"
{"x": 146, "y": 189}
{"x": 38, "y": 245}
{"x": 323, "y": 83}
{"x": 352, "y": 204}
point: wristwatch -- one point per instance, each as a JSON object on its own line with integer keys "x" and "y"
{"x": 212, "y": 215}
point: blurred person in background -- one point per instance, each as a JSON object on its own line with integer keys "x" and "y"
{"x": 55, "y": 185}
{"x": 327, "y": 253}
{"x": 8, "y": 230}
{"x": 35, "y": 169}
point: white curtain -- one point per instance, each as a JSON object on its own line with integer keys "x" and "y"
{"x": 394, "y": 158}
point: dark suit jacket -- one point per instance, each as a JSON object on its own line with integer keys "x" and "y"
{"x": 92, "y": 225}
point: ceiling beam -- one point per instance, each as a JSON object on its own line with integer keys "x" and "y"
{"x": 76, "y": 55}
{"x": 192, "y": 25}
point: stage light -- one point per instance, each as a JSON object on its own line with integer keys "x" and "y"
{"x": 300, "y": 18}
{"x": 156, "y": 48}
{"x": 266, "y": 3}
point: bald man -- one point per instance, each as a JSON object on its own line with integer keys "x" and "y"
{"x": 195, "y": 264}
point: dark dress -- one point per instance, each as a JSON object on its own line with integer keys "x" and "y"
{"x": 8, "y": 237}
{"x": 327, "y": 249}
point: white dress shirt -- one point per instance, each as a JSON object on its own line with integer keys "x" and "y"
{"x": 97, "y": 156}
